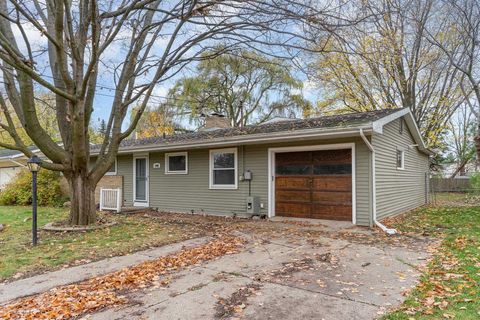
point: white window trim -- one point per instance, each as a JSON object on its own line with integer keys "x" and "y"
{"x": 113, "y": 173}
{"x": 403, "y": 159}
{"x": 173, "y": 154}
{"x": 224, "y": 186}
{"x": 337, "y": 146}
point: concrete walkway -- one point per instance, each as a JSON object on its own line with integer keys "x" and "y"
{"x": 49, "y": 280}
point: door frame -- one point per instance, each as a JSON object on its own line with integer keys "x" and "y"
{"x": 141, "y": 203}
{"x": 271, "y": 171}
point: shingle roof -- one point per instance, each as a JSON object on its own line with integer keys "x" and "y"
{"x": 326, "y": 122}
{"x": 6, "y": 153}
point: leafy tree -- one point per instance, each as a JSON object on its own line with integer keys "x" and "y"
{"x": 97, "y": 131}
{"x": 246, "y": 87}
{"x": 387, "y": 61}
{"x": 45, "y": 105}
{"x": 156, "y": 122}
{"x": 103, "y": 127}
{"x": 136, "y": 45}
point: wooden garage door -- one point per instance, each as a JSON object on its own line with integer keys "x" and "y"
{"x": 314, "y": 184}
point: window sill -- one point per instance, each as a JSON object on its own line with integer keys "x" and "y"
{"x": 176, "y": 172}
{"x": 226, "y": 187}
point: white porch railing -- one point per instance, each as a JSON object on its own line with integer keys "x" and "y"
{"x": 111, "y": 199}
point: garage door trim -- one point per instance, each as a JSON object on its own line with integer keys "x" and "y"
{"x": 271, "y": 171}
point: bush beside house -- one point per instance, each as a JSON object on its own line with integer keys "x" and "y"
{"x": 475, "y": 182}
{"x": 19, "y": 190}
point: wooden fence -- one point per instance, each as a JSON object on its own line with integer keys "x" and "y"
{"x": 450, "y": 185}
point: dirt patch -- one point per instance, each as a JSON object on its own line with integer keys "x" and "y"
{"x": 57, "y": 227}
{"x": 293, "y": 267}
{"x": 304, "y": 265}
{"x": 236, "y": 303}
{"x": 292, "y": 231}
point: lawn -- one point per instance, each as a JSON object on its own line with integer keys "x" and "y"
{"x": 18, "y": 258}
{"x": 449, "y": 287}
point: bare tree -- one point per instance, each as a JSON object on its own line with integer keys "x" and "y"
{"x": 460, "y": 145}
{"x": 135, "y": 44}
{"x": 388, "y": 62}
{"x": 459, "y": 39}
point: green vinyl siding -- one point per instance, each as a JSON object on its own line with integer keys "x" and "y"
{"x": 190, "y": 192}
{"x": 125, "y": 169}
{"x": 399, "y": 190}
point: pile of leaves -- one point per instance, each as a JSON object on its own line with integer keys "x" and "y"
{"x": 100, "y": 292}
{"x": 236, "y": 303}
{"x": 19, "y": 190}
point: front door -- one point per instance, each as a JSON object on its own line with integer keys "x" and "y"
{"x": 314, "y": 184}
{"x": 141, "y": 181}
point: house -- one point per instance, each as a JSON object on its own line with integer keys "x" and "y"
{"x": 358, "y": 167}
{"x": 11, "y": 162}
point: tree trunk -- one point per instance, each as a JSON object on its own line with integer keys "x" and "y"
{"x": 477, "y": 137}
{"x": 83, "y": 210}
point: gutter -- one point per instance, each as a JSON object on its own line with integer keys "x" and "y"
{"x": 17, "y": 163}
{"x": 374, "y": 188}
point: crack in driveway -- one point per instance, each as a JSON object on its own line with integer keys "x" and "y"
{"x": 347, "y": 298}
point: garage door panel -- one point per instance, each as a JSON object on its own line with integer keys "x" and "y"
{"x": 327, "y": 197}
{"x": 293, "y": 195}
{"x": 293, "y": 209}
{"x": 314, "y": 184}
{"x": 334, "y": 157}
{"x": 292, "y": 182}
{"x": 332, "y": 212}
{"x": 333, "y": 183}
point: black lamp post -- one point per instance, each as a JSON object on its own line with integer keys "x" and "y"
{"x": 34, "y": 165}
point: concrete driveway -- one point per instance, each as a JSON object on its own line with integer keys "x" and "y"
{"x": 289, "y": 271}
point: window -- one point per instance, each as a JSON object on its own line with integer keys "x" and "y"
{"x": 223, "y": 169}
{"x": 113, "y": 169}
{"x": 176, "y": 163}
{"x": 400, "y": 159}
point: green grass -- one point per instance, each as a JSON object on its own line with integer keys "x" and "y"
{"x": 450, "y": 286}
{"x": 455, "y": 198}
{"x": 18, "y": 257}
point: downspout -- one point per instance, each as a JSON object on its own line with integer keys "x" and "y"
{"x": 374, "y": 189}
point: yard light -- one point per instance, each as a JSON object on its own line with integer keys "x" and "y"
{"x": 34, "y": 165}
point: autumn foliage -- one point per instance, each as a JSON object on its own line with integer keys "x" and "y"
{"x": 100, "y": 292}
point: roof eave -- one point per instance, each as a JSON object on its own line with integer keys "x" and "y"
{"x": 253, "y": 139}
{"x": 411, "y": 123}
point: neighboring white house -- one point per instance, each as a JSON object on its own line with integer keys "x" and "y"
{"x": 6, "y": 174}
{"x": 11, "y": 162}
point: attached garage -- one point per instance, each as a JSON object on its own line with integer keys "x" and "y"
{"x": 313, "y": 182}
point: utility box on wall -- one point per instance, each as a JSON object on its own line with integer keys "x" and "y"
{"x": 253, "y": 205}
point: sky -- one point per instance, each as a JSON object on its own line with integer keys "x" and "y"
{"x": 113, "y": 56}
